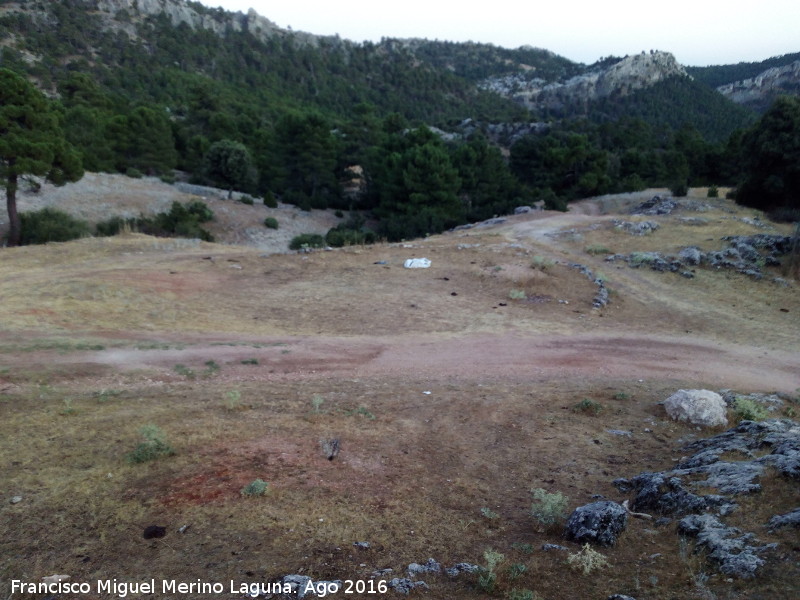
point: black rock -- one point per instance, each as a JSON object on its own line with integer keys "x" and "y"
{"x": 154, "y": 531}
{"x": 598, "y": 522}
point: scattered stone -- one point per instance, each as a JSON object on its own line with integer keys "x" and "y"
{"x": 551, "y": 547}
{"x": 521, "y": 210}
{"x": 657, "y": 205}
{"x": 730, "y": 550}
{"x": 620, "y": 597}
{"x": 431, "y": 566}
{"x": 791, "y": 519}
{"x": 297, "y": 583}
{"x": 16, "y": 499}
{"x": 154, "y": 531}
{"x": 463, "y": 567}
{"x": 183, "y": 528}
{"x": 380, "y": 573}
{"x": 698, "y": 407}
{"x": 405, "y": 586}
{"x": 691, "y": 255}
{"x": 601, "y": 298}
{"x": 620, "y": 432}
{"x": 640, "y": 228}
{"x": 696, "y": 221}
{"x": 599, "y": 522}
{"x": 362, "y": 545}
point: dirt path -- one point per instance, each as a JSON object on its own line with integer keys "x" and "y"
{"x": 464, "y": 358}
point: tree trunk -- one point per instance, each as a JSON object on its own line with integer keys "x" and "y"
{"x": 14, "y": 229}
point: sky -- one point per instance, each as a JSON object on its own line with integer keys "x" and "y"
{"x": 697, "y": 32}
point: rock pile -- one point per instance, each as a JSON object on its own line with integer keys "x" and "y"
{"x": 676, "y": 492}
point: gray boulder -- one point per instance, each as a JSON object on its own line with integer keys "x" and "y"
{"x": 598, "y": 522}
{"x": 791, "y": 519}
{"x": 405, "y": 586}
{"x": 431, "y": 566}
{"x": 698, "y": 407}
{"x": 730, "y": 550}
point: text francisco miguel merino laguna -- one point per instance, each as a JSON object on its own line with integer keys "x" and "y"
{"x": 121, "y": 589}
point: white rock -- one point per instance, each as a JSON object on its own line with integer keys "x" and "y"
{"x": 417, "y": 263}
{"x": 698, "y": 407}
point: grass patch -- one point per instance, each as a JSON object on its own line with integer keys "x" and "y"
{"x": 516, "y": 294}
{"x": 595, "y": 249}
{"x": 257, "y": 487}
{"x": 588, "y": 406}
{"x": 746, "y": 409}
{"x": 250, "y": 361}
{"x": 153, "y": 446}
{"x": 184, "y": 371}
{"x": 548, "y": 509}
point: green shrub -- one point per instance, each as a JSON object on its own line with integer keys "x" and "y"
{"x": 247, "y": 199}
{"x": 271, "y": 222}
{"x": 548, "y": 508}
{"x": 270, "y": 201}
{"x": 257, "y": 487}
{"x": 515, "y": 294}
{"x": 489, "y": 513}
{"x": 679, "y": 189}
{"x": 114, "y": 226}
{"x": 598, "y": 249}
{"x": 133, "y": 173}
{"x": 50, "y": 225}
{"x": 487, "y": 579}
{"x": 154, "y": 446}
{"x": 713, "y": 192}
{"x": 307, "y": 240}
{"x": 587, "y": 560}
{"x": 746, "y": 409}
{"x": 168, "y": 178}
{"x": 339, "y": 214}
{"x": 340, "y": 236}
{"x": 250, "y": 361}
{"x": 588, "y": 406}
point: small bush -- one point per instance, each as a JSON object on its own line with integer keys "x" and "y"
{"x": 587, "y": 560}
{"x": 515, "y": 294}
{"x": 50, "y": 225}
{"x": 133, "y": 173}
{"x": 713, "y": 192}
{"x": 598, "y": 249}
{"x": 184, "y": 370}
{"x": 246, "y": 199}
{"x": 524, "y": 594}
{"x": 679, "y": 189}
{"x": 250, "y": 361}
{"x": 168, "y": 178}
{"x": 487, "y": 579}
{"x": 307, "y": 240}
{"x": 339, "y": 214}
{"x": 317, "y": 402}
{"x": 542, "y": 263}
{"x": 489, "y": 513}
{"x": 548, "y": 508}
{"x": 588, "y": 406}
{"x": 234, "y": 400}
{"x": 271, "y": 222}
{"x": 257, "y": 487}
{"x": 154, "y": 446}
{"x": 270, "y": 201}
{"x": 746, "y": 409}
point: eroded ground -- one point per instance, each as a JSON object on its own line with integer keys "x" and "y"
{"x": 447, "y": 395}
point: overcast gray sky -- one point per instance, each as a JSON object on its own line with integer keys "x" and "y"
{"x": 697, "y": 32}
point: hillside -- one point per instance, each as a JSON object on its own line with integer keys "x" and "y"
{"x": 452, "y": 392}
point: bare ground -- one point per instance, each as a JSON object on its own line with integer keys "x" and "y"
{"x": 447, "y": 395}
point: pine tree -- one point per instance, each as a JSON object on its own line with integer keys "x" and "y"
{"x": 32, "y": 142}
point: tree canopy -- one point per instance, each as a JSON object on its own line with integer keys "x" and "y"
{"x": 771, "y": 156}
{"x": 32, "y": 142}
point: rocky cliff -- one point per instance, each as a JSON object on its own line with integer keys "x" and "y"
{"x": 759, "y": 91}
{"x": 621, "y": 77}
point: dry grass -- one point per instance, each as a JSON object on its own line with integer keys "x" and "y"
{"x": 447, "y": 397}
